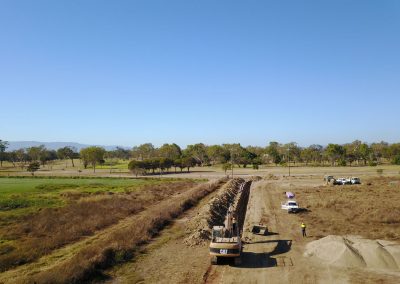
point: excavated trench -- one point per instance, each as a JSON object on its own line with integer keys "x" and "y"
{"x": 236, "y": 193}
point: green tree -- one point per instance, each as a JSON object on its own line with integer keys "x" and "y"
{"x": 3, "y": 147}
{"x": 380, "y": 150}
{"x": 166, "y": 164}
{"x": 238, "y": 154}
{"x": 316, "y": 152}
{"x": 364, "y": 152}
{"x": 226, "y": 167}
{"x": 396, "y": 160}
{"x": 334, "y": 152}
{"x": 120, "y": 153}
{"x": 273, "y": 152}
{"x": 22, "y": 157}
{"x": 198, "y": 152}
{"x": 137, "y": 167}
{"x": 292, "y": 152}
{"x": 40, "y": 153}
{"x": 188, "y": 162}
{"x": 246, "y": 157}
{"x": 307, "y": 155}
{"x": 33, "y": 167}
{"x": 393, "y": 151}
{"x": 92, "y": 155}
{"x": 67, "y": 153}
{"x": 36, "y": 152}
{"x": 178, "y": 163}
{"x": 217, "y": 154}
{"x": 256, "y": 162}
{"x": 144, "y": 151}
{"x": 170, "y": 151}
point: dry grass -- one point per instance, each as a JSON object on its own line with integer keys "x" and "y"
{"x": 371, "y": 209}
{"x": 123, "y": 242}
{"x": 53, "y": 228}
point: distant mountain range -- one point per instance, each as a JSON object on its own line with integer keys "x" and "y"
{"x": 15, "y": 145}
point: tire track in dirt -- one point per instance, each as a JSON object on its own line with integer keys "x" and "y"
{"x": 265, "y": 259}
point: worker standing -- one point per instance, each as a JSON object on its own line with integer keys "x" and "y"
{"x": 303, "y": 229}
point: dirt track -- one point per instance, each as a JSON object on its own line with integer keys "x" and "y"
{"x": 278, "y": 258}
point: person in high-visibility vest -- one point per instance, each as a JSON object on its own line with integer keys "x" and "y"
{"x": 303, "y": 229}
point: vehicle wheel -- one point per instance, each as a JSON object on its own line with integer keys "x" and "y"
{"x": 214, "y": 260}
{"x": 238, "y": 260}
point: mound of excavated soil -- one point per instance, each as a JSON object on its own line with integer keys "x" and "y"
{"x": 199, "y": 227}
{"x": 355, "y": 251}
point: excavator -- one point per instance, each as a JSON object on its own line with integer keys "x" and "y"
{"x": 226, "y": 240}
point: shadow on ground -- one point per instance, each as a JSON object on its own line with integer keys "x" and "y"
{"x": 263, "y": 260}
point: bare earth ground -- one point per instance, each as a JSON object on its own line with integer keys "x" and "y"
{"x": 276, "y": 258}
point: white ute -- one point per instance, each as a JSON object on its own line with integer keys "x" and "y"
{"x": 291, "y": 206}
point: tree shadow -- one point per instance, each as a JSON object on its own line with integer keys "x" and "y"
{"x": 174, "y": 173}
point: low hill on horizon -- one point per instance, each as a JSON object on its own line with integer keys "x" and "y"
{"x": 15, "y": 145}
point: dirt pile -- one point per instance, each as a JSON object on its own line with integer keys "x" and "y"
{"x": 255, "y": 178}
{"x": 355, "y": 251}
{"x": 199, "y": 228}
{"x": 271, "y": 177}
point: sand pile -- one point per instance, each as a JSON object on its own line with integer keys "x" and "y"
{"x": 355, "y": 251}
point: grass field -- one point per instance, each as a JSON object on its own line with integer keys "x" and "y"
{"x": 38, "y": 215}
{"x": 120, "y": 169}
{"x": 22, "y": 196}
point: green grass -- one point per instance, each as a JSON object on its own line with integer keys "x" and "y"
{"x": 22, "y": 196}
{"x": 123, "y": 165}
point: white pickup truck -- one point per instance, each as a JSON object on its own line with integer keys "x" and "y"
{"x": 291, "y": 206}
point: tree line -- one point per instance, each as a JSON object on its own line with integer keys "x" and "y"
{"x": 147, "y": 158}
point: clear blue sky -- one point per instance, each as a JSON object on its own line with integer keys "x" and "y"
{"x": 129, "y": 72}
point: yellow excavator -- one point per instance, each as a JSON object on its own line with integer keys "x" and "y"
{"x": 226, "y": 241}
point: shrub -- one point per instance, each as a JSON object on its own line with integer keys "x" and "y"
{"x": 396, "y": 160}
{"x": 33, "y": 167}
{"x": 342, "y": 163}
{"x": 379, "y": 171}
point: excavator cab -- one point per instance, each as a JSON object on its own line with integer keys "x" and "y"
{"x": 225, "y": 241}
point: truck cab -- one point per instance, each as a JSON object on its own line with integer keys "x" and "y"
{"x": 291, "y": 206}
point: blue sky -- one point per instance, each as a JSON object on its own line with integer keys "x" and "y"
{"x": 129, "y": 72}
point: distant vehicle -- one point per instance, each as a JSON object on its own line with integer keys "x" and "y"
{"x": 289, "y": 194}
{"x": 328, "y": 178}
{"x": 355, "y": 180}
{"x": 343, "y": 181}
{"x": 291, "y": 206}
